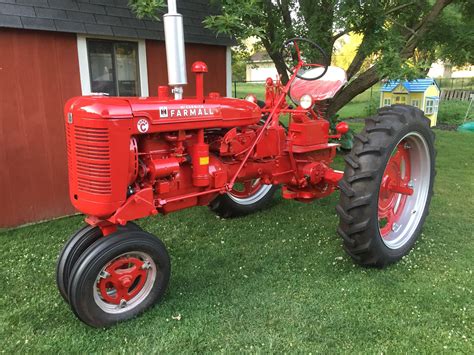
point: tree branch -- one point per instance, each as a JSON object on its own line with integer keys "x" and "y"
{"x": 370, "y": 77}
{"x": 422, "y": 27}
{"x": 399, "y": 7}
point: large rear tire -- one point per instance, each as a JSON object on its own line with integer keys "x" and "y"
{"x": 387, "y": 186}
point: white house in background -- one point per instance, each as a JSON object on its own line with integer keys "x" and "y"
{"x": 260, "y": 67}
{"x": 443, "y": 70}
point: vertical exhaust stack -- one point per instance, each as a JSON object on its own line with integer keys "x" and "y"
{"x": 175, "y": 55}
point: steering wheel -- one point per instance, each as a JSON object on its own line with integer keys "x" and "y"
{"x": 324, "y": 57}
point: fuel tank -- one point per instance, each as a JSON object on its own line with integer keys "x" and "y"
{"x": 161, "y": 115}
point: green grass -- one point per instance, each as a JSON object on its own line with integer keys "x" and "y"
{"x": 258, "y": 89}
{"x": 363, "y": 105}
{"x": 276, "y": 281}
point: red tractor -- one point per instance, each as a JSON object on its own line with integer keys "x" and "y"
{"x": 131, "y": 158}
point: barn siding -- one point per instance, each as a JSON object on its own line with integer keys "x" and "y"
{"x": 39, "y": 71}
{"x": 213, "y": 56}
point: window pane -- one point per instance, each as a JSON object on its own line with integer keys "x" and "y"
{"x": 127, "y": 63}
{"x": 101, "y": 64}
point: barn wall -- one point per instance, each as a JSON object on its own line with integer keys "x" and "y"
{"x": 213, "y": 56}
{"x": 38, "y": 73}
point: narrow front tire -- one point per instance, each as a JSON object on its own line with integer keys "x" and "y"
{"x": 118, "y": 278}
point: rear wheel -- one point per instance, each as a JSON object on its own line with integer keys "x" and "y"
{"x": 119, "y": 277}
{"x": 387, "y": 186}
{"x": 72, "y": 250}
{"x": 245, "y": 198}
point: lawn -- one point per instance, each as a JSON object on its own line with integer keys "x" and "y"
{"x": 276, "y": 281}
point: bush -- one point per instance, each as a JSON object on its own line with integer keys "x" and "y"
{"x": 453, "y": 112}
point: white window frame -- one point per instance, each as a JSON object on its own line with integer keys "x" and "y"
{"x": 387, "y": 101}
{"x": 415, "y": 103}
{"x": 228, "y": 69}
{"x": 429, "y": 106}
{"x": 84, "y": 63}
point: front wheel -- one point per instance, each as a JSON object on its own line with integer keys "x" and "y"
{"x": 387, "y": 186}
{"x": 119, "y": 277}
{"x": 72, "y": 250}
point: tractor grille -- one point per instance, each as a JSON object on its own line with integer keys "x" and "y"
{"x": 92, "y": 155}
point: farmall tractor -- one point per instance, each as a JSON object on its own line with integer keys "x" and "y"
{"x": 131, "y": 158}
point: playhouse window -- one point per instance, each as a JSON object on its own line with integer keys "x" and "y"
{"x": 113, "y": 67}
{"x": 415, "y": 103}
{"x": 430, "y": 106}
{"x": 387, "y": 102}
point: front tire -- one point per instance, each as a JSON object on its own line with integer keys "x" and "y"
{"x": 119, "y": 277}
{"x": 73, "y": 249}
{"x": 387, "y": 186}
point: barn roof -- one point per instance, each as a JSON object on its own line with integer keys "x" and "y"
{"x": 418, "y": 85}
{"x": 106, "y": 18}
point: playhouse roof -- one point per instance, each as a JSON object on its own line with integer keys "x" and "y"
{"x": 417, "y": 85}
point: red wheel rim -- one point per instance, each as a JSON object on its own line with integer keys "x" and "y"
{"x": 395, "y": 188}
{"x": 123, "y": 279}
{"x": 125, "y": 282}
{"x": 246, "y": 189}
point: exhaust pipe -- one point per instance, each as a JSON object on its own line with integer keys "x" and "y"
{"x": 175, "y": 55}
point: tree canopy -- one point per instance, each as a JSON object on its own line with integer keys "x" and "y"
{"x": 400, "y": 38}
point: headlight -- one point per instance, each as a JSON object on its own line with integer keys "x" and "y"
{"x": 306, "y": 101}
{"x": 251, "y": 98}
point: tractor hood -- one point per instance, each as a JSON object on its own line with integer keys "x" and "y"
{"x": 220, "y": 111}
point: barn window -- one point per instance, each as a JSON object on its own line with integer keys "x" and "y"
{"x": 113, "y": 67}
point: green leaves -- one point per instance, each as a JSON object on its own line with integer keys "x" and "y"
{"x": 147, "y": 8}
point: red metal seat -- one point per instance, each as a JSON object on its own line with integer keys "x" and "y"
{"x": 321, "y": 89}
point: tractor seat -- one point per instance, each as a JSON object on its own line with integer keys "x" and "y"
{"x": 321, "y": 89}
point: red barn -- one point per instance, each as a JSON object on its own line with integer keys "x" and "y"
{"x": 55, "y": 49}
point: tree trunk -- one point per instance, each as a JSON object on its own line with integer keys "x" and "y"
{"x": 359, "y": 85}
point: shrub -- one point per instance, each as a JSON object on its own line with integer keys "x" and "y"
{"x": 453, "y": 112}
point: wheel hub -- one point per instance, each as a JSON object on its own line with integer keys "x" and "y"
{"x": 403, "y": 190}
{"x": 125, "y": 279}
{"x": 394, "y": 189}
{"x": 124, "y": 282}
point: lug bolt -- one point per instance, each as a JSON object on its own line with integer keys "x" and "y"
{"x": 395, "y": 227}
{"x": 123, "y": 303}
{"x": 146, "y": 265}
{"x": 104, "y": 274}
